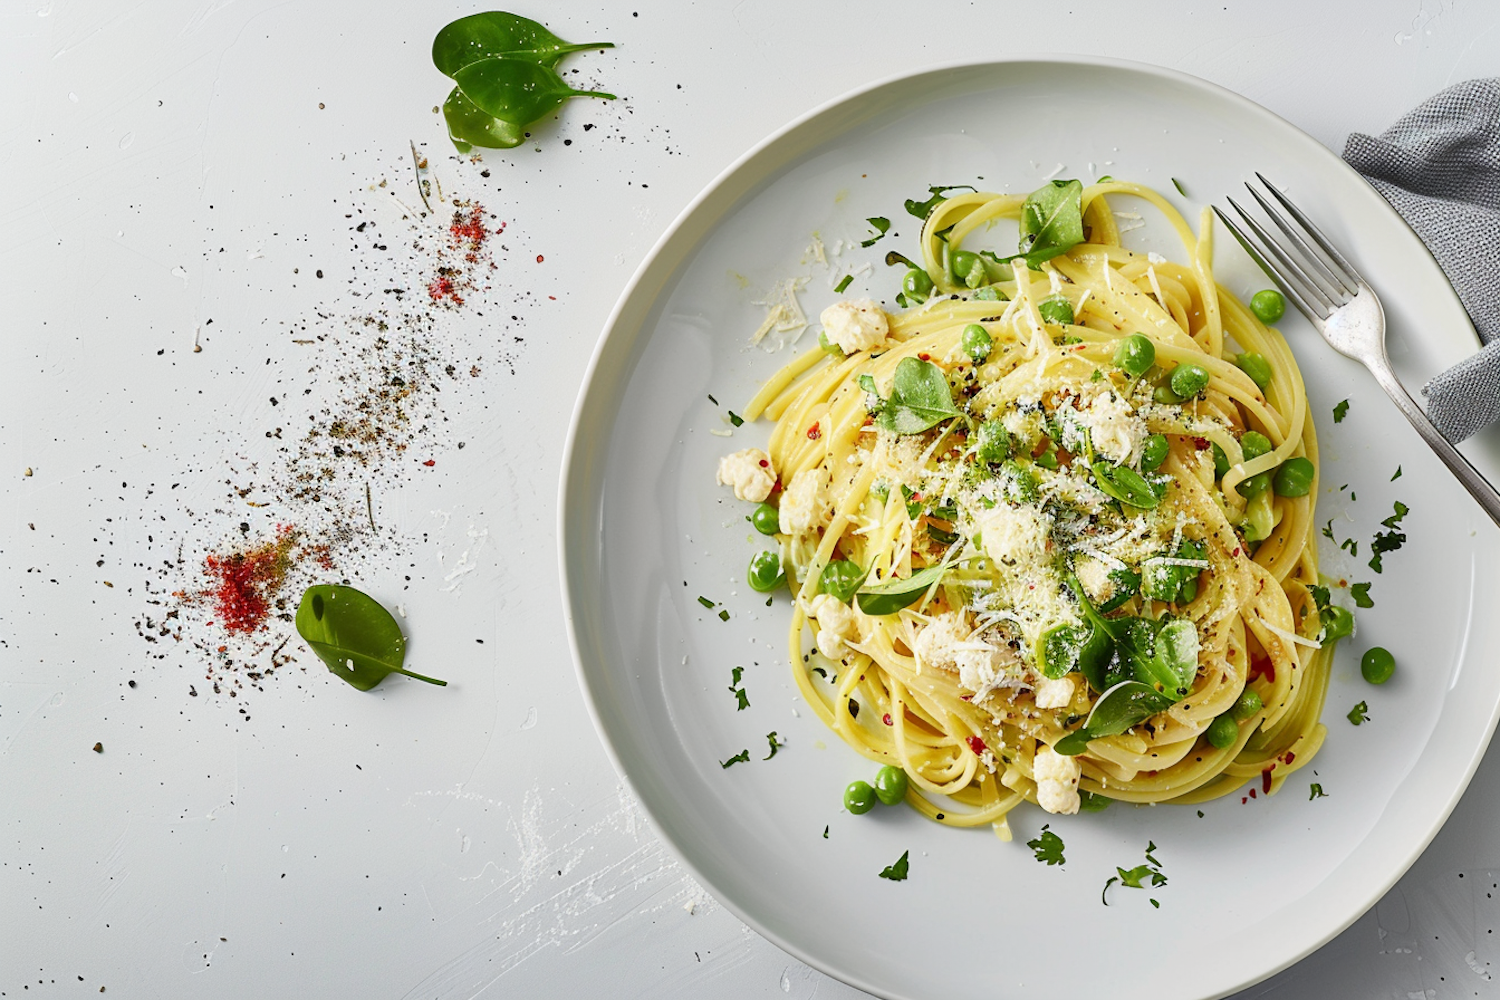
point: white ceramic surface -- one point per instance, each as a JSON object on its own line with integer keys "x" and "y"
{"x": 645, "y": 532}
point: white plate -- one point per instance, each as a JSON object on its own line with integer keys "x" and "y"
{"x": 1252, "y": 887}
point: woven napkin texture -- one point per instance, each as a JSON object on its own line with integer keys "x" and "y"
{"x": 1439, "y": 166}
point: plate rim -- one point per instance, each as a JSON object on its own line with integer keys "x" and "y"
{"x": 573, "y": 470}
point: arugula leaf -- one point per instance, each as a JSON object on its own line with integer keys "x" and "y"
{"x": 1383, "y": 542}
{"x": 1048, "y": 847}
{"x": 1315, "y": 791}
{"x": 1051, "y": 221}
{"x": 1358, "y": 713}
{"x": 891, "y": 596}
{"x": 920, "y": 398}
{"x": 775, "y": 745}
{"x": 897, "y": 871}
{"x": 922, "y": 209}
{"x": 881, "y": 226}
{"x": 1361, "y": 594}
{"x": 1340, "y": 410}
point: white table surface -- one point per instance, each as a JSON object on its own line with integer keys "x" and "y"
{"x": 173, "y": 162}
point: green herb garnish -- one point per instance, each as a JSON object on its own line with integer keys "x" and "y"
{"x": 736, "y": 419}
{"x": 1178, "y": 185}
{"x": 1358, "y": 713}
{"x": 705, "y": 602}
{"x": 1048, "y": 847}
{"x": 1340, "y": 410}
{"x": 897, "y": 871}
{"x": 1361, "y": 594}
{"x": 743, "y": 757}
{"x": 881, "y": 226}
{"x": 920, "y": 398}
{"x": 843, "y": 284}
{"x": 354, "y": 635}
{"x": 1397, "y": 475}
{"x": 891, "y": 596}
{"x": 775, "y": 744}
{"x": 1315, "y": 791}
{"x": 738, "y": 691}
{"x": 1051, "y": 221}
{"x": 922, "y": 209}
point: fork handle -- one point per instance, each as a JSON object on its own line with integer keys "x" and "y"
{"x": 1479, "y": 487}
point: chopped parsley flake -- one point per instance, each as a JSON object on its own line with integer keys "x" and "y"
{"x": 735, "y": 418}
{"x": 712, "y": 400}
{"x": 1178, "y": 185}
{"x": 843, "y": 284}
{"x": 1315, "y": 791}
{"x": 705, "y": 602}
{"x": 1340, "y": 411}
{"x": 1137, "y": 877}
{"x": 1048, "y": 847}
{"x": 1328, "y": 531}
{"x": 1401, "y": 511}
{"x": 1357, "y": 714}
{"x": 775, "y": 744}
{"x": 881, "y": 225}
{"x": 1350, "y": 546}
{"x": 1361, "y": 594}
{"x": 742, "y": 757}
{"x": 825, "y": 833}
{"x": 1385, "y": 541}
{"x": 1397, "y": 475}
{"x": 897, "y": 871}
{"x": 724, "y": 615}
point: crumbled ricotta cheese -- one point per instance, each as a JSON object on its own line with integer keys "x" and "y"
{"x": 946, "y": 643}
{"x": 1015, "y": 536}
{"x": 749, "y": 472}
{"x": 835, "y": 624}
{"x": 1056, "y": 779}
{"x": 1054, "y": 693}
{"x": 803, "y": 504}
{"x": 856, "y": 325}
{"x": 935, "y": 642}
{"x": 1115, "y": 430}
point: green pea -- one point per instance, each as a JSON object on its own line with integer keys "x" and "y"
{"x": 992, "y": 443}
{"x": 917, "y": 285}
{"x": 1188, "y": 380}
{"x": 1257, "y": 367}
{"x": 859, "y": 797}
{"x": 1255, "y": 444}
{"x": 1134, "y": 354}
{"x": 1246, "y": 705}
{"x": 1154, "y": 452}
{"x": 1223, "y": 731}
{"x": 1255, "y": 485}
{"x": 766, "y": 519}
{"x": 1164, "y": 394}
{"x": 1377, "y": 665}
{"x": 1340, "y": 623}
{"x": 1294, "y": 478}
{"x": 1092, "y": 802}
{"x": 1268, "y": 305}
{"x": 841, "y": 578}
{"x": 1056, "y": 309}
{"x": 969, "y": 269}
{"x": 890, "y": 785}
{"x": 765, "y": 572}
{"x": 828, "y": 345}
{"x": 989, "y": 293}
{"x": 1221, "y": 461}
{"x": 976, "y": 342}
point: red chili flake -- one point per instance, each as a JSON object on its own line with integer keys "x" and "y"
{"x": 1262, "y": 666}
{"x": 538, "y": 258}
{"x": 246, "y": 583}
{"x": 966, "y": 697}
{"x": 1243, "y": 800}
{"x": 1236, "y": 551}
{"x": 886, "y": 718}
{"x": 1200, "y": 443}
{"x": 813, "y": 433}
{"x": 469, "y": 231}
{"x": 430, "y": 462}
{"x": 977, "y": 745}
{"x": 1265, "y": 780}
{"x": 765, "y": 463}
{"x": 776, "y": 487}
{"x": 1252, "y": 793}
{"x": 1288, "y": 757}
{"x": 924, "y": 356}
{"x": 552, "y": 298}
{"x": 442, "y": 288}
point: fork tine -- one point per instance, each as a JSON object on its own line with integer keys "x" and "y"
{"x": 1316, "y": 234}
{"x": 1331, "y": 284}
{"x": 1292, "y": 293}
{"x": 1291, "y": 271}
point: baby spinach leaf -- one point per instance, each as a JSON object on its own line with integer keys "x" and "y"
{"x": 1163, "y": 655}
{"x": 354, "y": 635}
{"x": 1117, "y": 709}
{"x": 515, "y": 90}
{"x": 1051, "y": 221}
{"x": 891, "y": 596}
{"x": 1125, "y": 485}
{"x": 498, "y": 33}
{"x": 920, "y": 398}
{"x": 468, "y": 126}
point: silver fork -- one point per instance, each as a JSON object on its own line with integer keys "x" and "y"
{"x": 1335, "y": 299}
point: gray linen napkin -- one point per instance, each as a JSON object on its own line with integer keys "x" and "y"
{"x": 1439, "y": 166}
